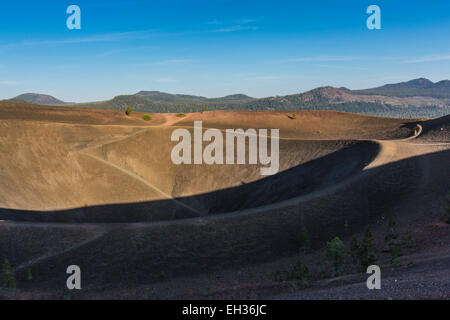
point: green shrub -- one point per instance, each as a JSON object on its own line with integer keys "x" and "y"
{"x": 278, "y": 277}
{"x": 146, "y": 117}
{"x": 299, "y": 275}
{"x": 181, "y": 115}
{"x": 7, "y": 277}
{"x": 335, "y": 255}
{"x": 409, "y": 241}
{"x": 207, "y": 293}
{"x": 67, "y": 294}
{"x": 367, "y": 253}
{"x": 128, "y": 111}
{"x": 303, "y": 240}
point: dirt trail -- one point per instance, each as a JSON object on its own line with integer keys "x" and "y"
{"x": 397, "y": 149}
{"x": 145, "y": 182}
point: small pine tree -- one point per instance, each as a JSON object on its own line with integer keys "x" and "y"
{"x": 300, "y": 275}
{"x": 396, "y": 252}
{"x": 128, "y": 111}
{"x": 7, "y": 277}
{"x": 447, "y": 220}
{"x": 392, "y": 233}
{"x": 367, "y": 252}
{"x": 354, "y": 249}
{"x": 394, "y": 243}
{"x": 335, "y": 255}
{"x": 409, "y": 241}
{"x": 303, "y": 240}
{"x": 29, "y": 275}
{"x": 278, "y": 277}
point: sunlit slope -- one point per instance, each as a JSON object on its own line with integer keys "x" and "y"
{"x": 41, "y": 168}
{"x": 87, "y": 161}
{"x": 305, "y": 166}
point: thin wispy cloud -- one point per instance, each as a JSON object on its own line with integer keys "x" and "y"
{"x": 214, "y": 22}
{"x": 171, "y": 62}
{"x": 168, "y": 62}
{"x": 428, "y": 59}
{"x": 235, "y": 28}
{"x": 165, "y": 80}
{"x": 244, "y": 21}
{"x": 265, "y": 77}
{"x": 261, "y": 78}
{"x": 121, "y": 36}
{"x": 330, "y": 66}
{"x": 236, "y": 22}
{"x": 9, "y": 83}
{"x": 321, "y": 59}
{"x": 116, "y": 51}
{"x": 106, "y": 37}
{"x": 321, "y": 65}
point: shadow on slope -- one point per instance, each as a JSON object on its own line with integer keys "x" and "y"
{"x": 314, "y": 175}
{"x": 147, "y": 252}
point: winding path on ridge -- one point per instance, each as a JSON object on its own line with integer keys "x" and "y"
{"x": 394, "y": 150}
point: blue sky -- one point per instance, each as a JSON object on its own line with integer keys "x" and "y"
{"x": 214, "y": 48}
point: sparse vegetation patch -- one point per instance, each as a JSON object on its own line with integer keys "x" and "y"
{"x": 128, "y": 111}
{"x": 447, "y": 220}
{"x": 299, "y": 275}
{"x": 335, "y": 255}
{"x": 147, "y": 117}
{"x": 367, "y": 254}
{"x": 303, "y": 240}
{"x": 7, "y": 276}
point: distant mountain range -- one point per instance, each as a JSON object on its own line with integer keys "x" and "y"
{"x": 37, "y": 98}
{"x": 412, "y": 99}
{"x": 157, "y": 96}
{"x": 417, "y": 87}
